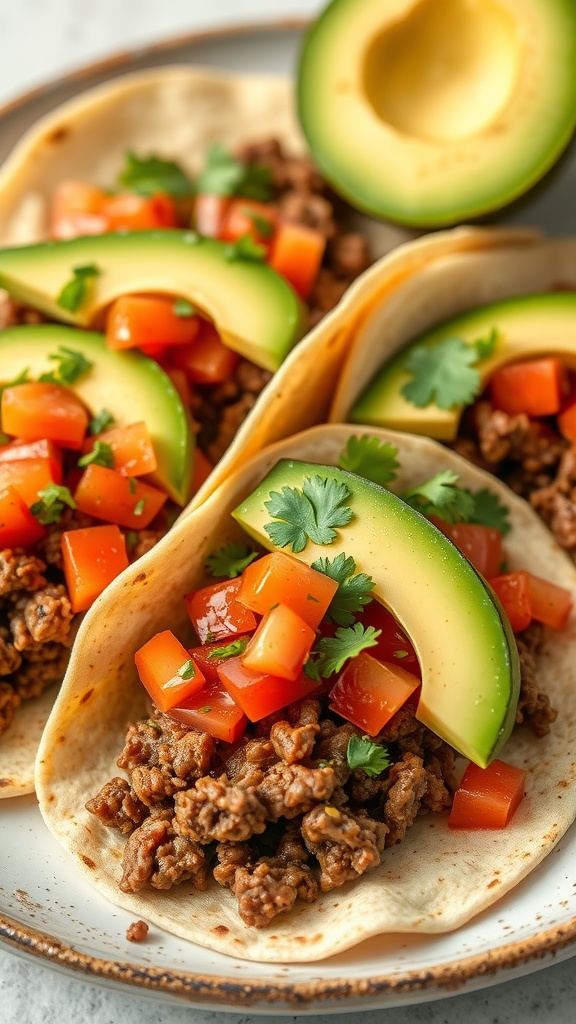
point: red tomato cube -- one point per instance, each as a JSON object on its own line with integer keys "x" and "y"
{"x": 38, "y": 410}
{"x": 369, "y": 692}
{"x": 259, "y": 693}
{"x": 213, "y": 711}
{"x": 550, "y": 603}
{"x": 28, "y": 476}
{"x": 280, "y": 645}
{"x": 279, "y": 578}
{"x": 93, "y": 557}
{"x": 167, "y": 671}
{"x": 106, "y": 494}
{"x": 18, "y": 527}
{"x": 210, "y": 656}
{"x": 487, "y": 797}
{"x": 513, "y": 591}
{"x": 216, "y": 613}
{"x": 534, "y": 387}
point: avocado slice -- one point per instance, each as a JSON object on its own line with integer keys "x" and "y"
{"x": 467, "y": 652}
{"x": 254, "y": 309}
{"x": 526, "y": 327}
{"x": 431, "y": 113}
{"x": 128, "y": 384}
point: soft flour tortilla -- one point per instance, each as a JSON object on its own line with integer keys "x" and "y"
{"x": 436, "y": 879}
{"x": 177, "y": 113}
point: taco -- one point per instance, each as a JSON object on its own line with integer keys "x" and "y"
{"x": 287, "y": 812}
{"x": 57, "y": 182}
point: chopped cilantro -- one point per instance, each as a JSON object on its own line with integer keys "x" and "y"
{"x": 262, "y": 224}
{"x": 101, "y": 421}
{"x": 139, "y": 507}
{"x": 308, "y": 514}
{"x": 489, "y": 511}
{"x": 400, "y": 654}
{"x": 131, "y": 538}
{"x": 230, "y": 561}
{"x": 101, "y": 455}
{"x": 71, "y": 365}
{"x": 73, "y": 293}
{"x": 331, "y": 653}
{"x": 132, "y": 484}
{"x": 371, "y": 757}
{"x": 445, "y": 374}
{"x": 224, "y": 175}
{"x": 187, "y": 670}
{"x": 52, "y": 504}
{"x": 368, "y": 457}
{"x": 440, "y": 496}
{"x": 147, "y": 175}
{"x": 183, "y": 308}
{"x": 245, "y": 248}
{"x": 230, "y": 650}
{"x": 205, "y": 709}
{"x": 353, "y": 590}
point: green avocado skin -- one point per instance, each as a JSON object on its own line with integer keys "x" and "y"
{"x": 467, "y": 653}
{"x": 256, "y": 311}
{"x": 129, "y": 385}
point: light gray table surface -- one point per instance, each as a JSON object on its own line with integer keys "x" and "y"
{"x": 39, "y": 40}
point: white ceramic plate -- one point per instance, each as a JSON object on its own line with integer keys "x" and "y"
{"x": 47, "y": 910}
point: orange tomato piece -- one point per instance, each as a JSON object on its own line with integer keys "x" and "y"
{"x": 279, "y": 578}
{"x": 393, "y": 645}
{"x": 209, "y": 213}
{"x": 213, "y": 711}
{"x": 131, "y": 212}
{"x": 77, "y": 210}
{"x": 280, "y": 645}
{"x": 28, "y": 476}
{"x": 167, "y": 671}
{"x": 259, "y": 693}
{"x": 210, "y": 656}
{"x": 131, "y": 446}
{"x": 487, "y": 797}
{"x": 513, "y": 591}
{"x": 550, "y": 603}
{"x": 37, "y": 410}
{"x": 482, "y": 545}
{"x": 41, "y": 449}
{"x": 207, "y": 360}
{"x": 216, "y": 613}
{"x": 296, "y": 254}
{"x": 534, "y": 387}
{"x": 136, "y": 321}
{"x": 106, "y": 494}
{"x": 18, "y": 527}
{"x": 369, "y": 692}
{"x": 248, "y": 217}
{"x": 93, "y": 556}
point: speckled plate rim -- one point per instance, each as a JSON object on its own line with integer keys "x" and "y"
{"x": 507, "y": 960}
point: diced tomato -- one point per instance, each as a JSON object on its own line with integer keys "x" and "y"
{"x": 369, "y": 692}
{"x": 131, "y": 446}
{"x": 18, "y": 527}
{"x": 216, "y": 613}
{"x": 550, "y": 603}
{"x": 280, "y": 645}
{"x": 209, "y": 213}
{"x": 202, "y": 469}
{"x": 141, "y": 321}
{"x": 107, "y": 494}
{"x": 534, "y": 387}
{"x": 28, "y": 476}
{"x": 212, "y": 710}
{"x": 259, "y": 693}
{"x": 248, "y": 217}
{"x": 279, "y": 578}
{"x": 513, "y": 591}
{"x": 207, "y": 360}
{"x": 131, "y": 212}
{"x": 77, "y": 210}
{"x": 41, "y": 449}
{"x": 487, "y": 797}
{"x": 296, "y": 253}
{"x": 393, "y": 644}
{"x": 209, "y": 656}
{"x": 36, "y": 410}
{"x": 93, "y": 556}
{"x": 167, "y": 671}
{"x": 482, "y": 545}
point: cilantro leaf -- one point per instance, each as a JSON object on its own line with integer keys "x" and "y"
{"x": 485, "y": 346}
{"x": 368, "y": 457}
{"x": 308, "y": 514}
{"x": 331, "y": 653}
{"x": 371, "y": 757}
{"x": 187, "y": 670}
{"x": 147, "y": 175}
{"x": 101, "y": 455}
{"x": 73, "y": 293}
{"x": 225, "y": 175}
{"x": 139, "y": 507}
{"x": 440, "y": 496}
{"x": 489, "y": 511}
{"x": 230, "y": 561}
{"x": 443, "y": 375}
{"x": 100, "y": 422}
{"x": 71, "y": 365}
{"x": 261, "y": 223}
{"x": 182, "y": 308}
{"x": 353, "y": 590}
{"x": 52, "y": 504}
{"x": 230, "y": 650}
{"x": 245, "y": 248}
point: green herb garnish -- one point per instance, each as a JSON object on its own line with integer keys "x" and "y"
{"x": 261, "y": 223}
{"x": 230, "y": 561}
{"x": 331, "y": 653}
{"x": 71, "y": 366}
{"x": 245, "y": 248}
{"x": 101, "y": 455}
{"x": 132, "y": 484}
{"x": 440, "y": 496}
{"x": 183, "y": 309}
{"x": 230, "y": 650}
{"x": 101, "y": 421}
{"x": 147, "y": 175}
{"x": 187, "y": 670}
{"x": 445, "y": 374}
{"x": 371, "y": 757}
{"x": 224, "y": 175}
{"x": 139, "y": 507}
{"x": 489, "y": 511}
{"x": 371, "y": 458}
{"x": 311, "y": 513}
{"x": 52, "y": 504}
{"x": 353, "y": 590}
{"x": 74, "y": 292}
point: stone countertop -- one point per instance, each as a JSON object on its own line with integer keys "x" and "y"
{"x": 41, "y": 39}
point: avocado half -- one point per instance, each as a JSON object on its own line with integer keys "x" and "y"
{"x": 430, "y": 112}
{"x": 466, "y": 650}
{"x": 525, "y": 327}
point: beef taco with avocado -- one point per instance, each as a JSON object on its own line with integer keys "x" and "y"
{"x": 188, "y": 252}
{"x": 311, "y": 718}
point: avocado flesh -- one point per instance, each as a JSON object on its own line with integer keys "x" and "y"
{"x": 527, "y": 327}
{"x": 432, "y": 113}
{"x": 128, "y": 385}
{"x": 255, "y": 310}
{"x": 467, "y": 653}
